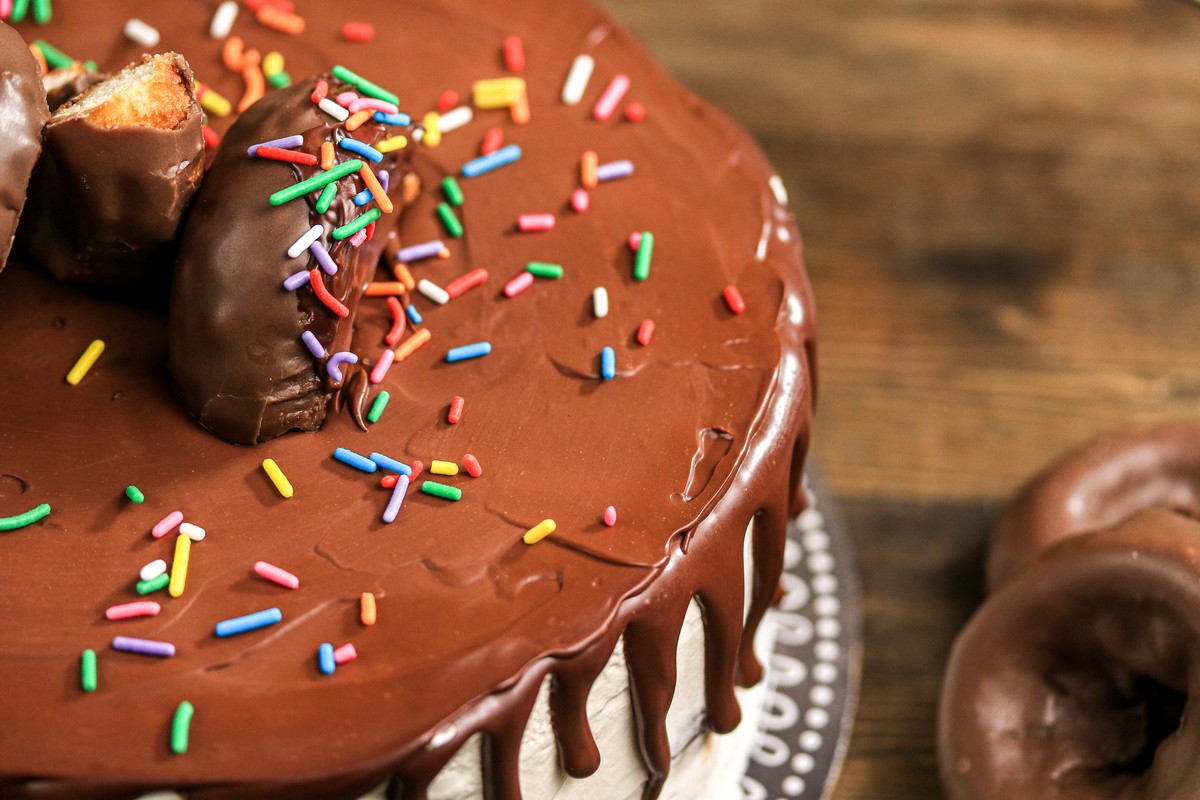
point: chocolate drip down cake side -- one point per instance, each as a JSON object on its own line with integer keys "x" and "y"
{"x": 425, "y": 478}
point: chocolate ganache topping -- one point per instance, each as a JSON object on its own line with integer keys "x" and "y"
{"x": 700, "y": 433}
{"x": 23, "y": 112}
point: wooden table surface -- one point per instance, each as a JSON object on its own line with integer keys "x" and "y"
{"x": 1001, "y": 206}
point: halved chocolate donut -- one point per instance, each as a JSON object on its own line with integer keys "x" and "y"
{"x": 23, "y": 114}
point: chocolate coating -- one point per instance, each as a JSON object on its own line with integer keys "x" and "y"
{"x": 1071, "y": 680}
{"x": 23, "y": 113}
{"x": 105, "y": 203}
{"x": 701, "y": 433}
{"x": 1095, "y": 487}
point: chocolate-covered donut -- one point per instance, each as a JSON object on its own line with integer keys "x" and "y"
{"x": 1095, "y": 487}
{"x": 23, "y": 113}
{"x": 1071, "y": 681}
{"x": 236, "y": 353}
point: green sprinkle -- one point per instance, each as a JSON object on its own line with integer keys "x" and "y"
{"x": 41, "y": 11}
{"x": 356, "y": 225}
{"x": 55, "y": 58}
{"x": 280, "y": 80}
{"x": 540, "y": 269}
{"x": 28, "y": 518}
{"x": 180, "y": 727}
{"x": 326, "y": 198}
{"x": 135, "y": 494}
{"x": 87, "y": 670}
{"x": 316, "y": 182}
{"x": 441, "y": 490}
{"x": 19, "y": 10}
{"x": 446, "y": 215}
{"x": 641, "y": 265}
{"x": 90, "y": 65}
{"x": 365, "y": 86}
{"x": 154, "y": 584}
{"x": 381, "y": 401}
{"x": 452, "y": 190}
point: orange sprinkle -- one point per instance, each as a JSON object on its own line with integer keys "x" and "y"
{"x": 409, "y": 345}
{"x": 404, "y": 276}
{"x": 232, "y": 54}
{"x": 587, "y": 169}
{"x": 519, "y": 110}
{"x": 280, "y": 20}
{"x": 385, "y": 288}
{"x": 356, "y": 120}
{"x": 327, "y": 155}
{"x": 40, "y": 57}
{"x": 372, "y": 183}
{"x": 367, "y": 614}
{"x": 255, "y": 85}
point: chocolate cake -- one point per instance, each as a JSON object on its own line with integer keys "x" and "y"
{"x": 484, "y": 663}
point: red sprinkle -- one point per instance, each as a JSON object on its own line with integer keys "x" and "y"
{"x": 211, "y": 137}
{"x": 472, "y": 279}
{"x": 527, "y": 223}
{"x": 331, "y": 302}
{"x": 645, "y": 332}
{"x": 370, "y": 231}
{"x": 456, "y": 410}
{"x": 320, "y": 91}
{"x": 399, "y": 320}
{"x": 417, "y": 467}
{"x": 358, "y": 32}
{"x": 514, "y": 53}
{"x": 447, "y": 101}
{"x": 290, "y": 156}
{"x": 635, "y": 112}
{"x": 733, "y": 299}
{"x": 491, "y": 141}
{"x": 389, "y": 481}
{"x": 580, "y": 200}
{"x": 472, "y": 465}
{"x": 285, "y": 5}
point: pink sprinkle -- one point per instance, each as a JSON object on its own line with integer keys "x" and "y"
{"x": 733, "y": 299}
{"x": 358, "y": 32}
{"x": 447, "y": 101}
{"x": 357, "y": 239}
{"x": 535, "y": 222}
{"x": 276, "y": 575}
{"x": 610, "y": 516}
{"x": 580, "y": 200}
{"x": 635, "y": 240}
{"x": 518, "y": 284}
{"x": 472, "y": 465}
{"x": 380, "y": 370}
{"x": 167, "y": 524}
{"x": 612, "y": 96}
{"x": 454, "y": 416}
{"x": 491, "y": 141}
{"x": 345, "y": 653}
{"x": 514, "y": 53}
{"x": 469, "y": 281}
{"x": 635, "y": 112}
{"x": 346, "y": 98}
{"x": 645, "y": 332}
{"x": 6, "y": 8}
{"x": 141, "y": 608}
{"x": 374, "y": 104}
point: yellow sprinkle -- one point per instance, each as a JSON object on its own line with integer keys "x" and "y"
{"x": 272, "y": 63}
{"x": 497, "y": 92}
{"x": 368, "y": 609}
{"x": 179, "y": 567}
{"x": 277, "y": 477}
{"x": 443, "y": 467}
{"x": 215, "y": 104}
{"x": 391, "y": 143}
{"x": 539, "y": 531}
{"x": 85, "y": 362}
{"x": 433, "y": 133}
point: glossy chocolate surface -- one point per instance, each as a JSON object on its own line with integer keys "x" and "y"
{"x": 22, "y": 114}
{"x": 700, "y": 432}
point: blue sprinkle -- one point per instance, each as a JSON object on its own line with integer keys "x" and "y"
{"x": 392, "y": 119}
{"x": 325, "y": 658}
{"x": 353, "y": 459}
{"x": 468, "y": 351}
{"x": 250, "y": 622}
{"x": 360, "y": 148}
{"x": 414, "y": 315}
{"x": 608, "y": 364}
{"x": 505, "y": 155}
{"x": 386, "y": 462}
{"x": 363, "y": 197}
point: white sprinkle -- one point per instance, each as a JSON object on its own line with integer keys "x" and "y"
{"x": 600, "y": 302}
{"x": 153, "y": 570}
{"x": 577, "y": 79}
{"x": 141, "y": 32}
{"x": 222, "y": 21}
{"x": 193, "y": 532}
{"x": 303, "y": 243}
{"x": 777, "y": 187}
{"x": 333, "y": 109}
{"x": 434, "y": 292}
{"x": 455, "y": 118}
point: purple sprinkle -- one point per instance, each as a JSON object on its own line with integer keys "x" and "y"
{"x": 393, "y": 506}
{"x": 294, "y": 282}
{"x": 420, "y": 251}
{"x": 332, "y": 366}
{"x": 313, "y": 345}
{"x": 323, "y": 258}
{"x": 383, "y": 179}
{"x": 286, "y": 143}
{"x": 613, "y": 170}
{"x": 144, "y": 647}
